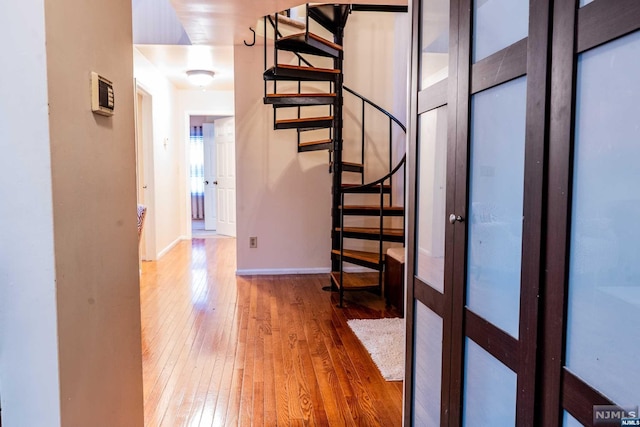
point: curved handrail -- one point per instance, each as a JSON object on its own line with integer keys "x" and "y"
{"x": 377, "y": 181}
{"x": 377, "y": 107}
{"x": 364, "y": 99}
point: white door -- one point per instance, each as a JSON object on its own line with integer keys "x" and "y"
{"x": 226, "y": 175}
{"x": 140, "y": 176}
{"x": 144, "y": 163}
{"x": 210, "y": 164}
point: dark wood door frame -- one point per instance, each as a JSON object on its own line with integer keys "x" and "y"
{"x": 558, "y": 31}
{"x": 575, "y": 31}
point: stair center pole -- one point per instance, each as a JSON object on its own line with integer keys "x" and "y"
{"x": 337, "y": 145}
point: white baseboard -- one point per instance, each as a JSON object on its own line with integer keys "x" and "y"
{"x": 169, "y": 247}
{"x": 281, "y": 271}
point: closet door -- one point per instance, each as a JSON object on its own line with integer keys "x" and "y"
{"x": 474, "y": 312}
{"x": 531, "y": 317}
{"x": 431, "y": 155}
{"x": 498, "y": 210}
{"x": 592, "y": 307}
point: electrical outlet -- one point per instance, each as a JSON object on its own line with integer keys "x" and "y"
{"x": 253, "y": 242}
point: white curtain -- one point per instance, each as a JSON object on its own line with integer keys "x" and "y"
{"x": 196, "y": 172}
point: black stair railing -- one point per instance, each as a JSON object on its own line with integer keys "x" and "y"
{"x": 335, "y": 153}
{"x": 364, "y": 100}
{"x": 278, "y": 35}
{"x": 392, "y": 120}
{"x": 381, "y": 182}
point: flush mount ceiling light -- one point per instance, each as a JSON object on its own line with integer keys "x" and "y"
{"x": 200, "y": 77}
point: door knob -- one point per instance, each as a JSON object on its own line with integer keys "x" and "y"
{"x": 453, "y": 218}
{"x": 215, "y": 182}
{"x": 206, "y": 183}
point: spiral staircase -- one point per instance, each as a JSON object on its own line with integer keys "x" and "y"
{"x": 370, "y": 212}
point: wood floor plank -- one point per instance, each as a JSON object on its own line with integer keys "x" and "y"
{"x": 232, "y": 413}
{"x": 180, "y": 373}
{"x": 280, "y": 376}
{"x": 383, "y": 397}
{"x": 180, "y": 339}
{"x": 221, "y": 349}
{"x": 206, "y": 395}
{"x": 358, "y": 400}
{"x": 336, "y": 406}
{"x": 224, "y": 373}
{"x": 224, "y": 351}
{"x": 298, "y": 395}
{"x": 248, "y": 371}
{"x": 264, "y": 411}
{"x": 323, "y": 410}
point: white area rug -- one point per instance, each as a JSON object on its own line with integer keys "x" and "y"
{"x": 384, "y": 340}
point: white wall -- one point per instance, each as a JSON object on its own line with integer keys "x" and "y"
{"x": 94, "y": 201}
{"x": 376, "y": 57}
{"x": 169, "y": 215}
{"x": 284, "y": 198}
{"x": 214, "y": 103}
{"x": 69, "y": 295}
{"x": 165, "y": 214}
{"x": 29, "y": 382}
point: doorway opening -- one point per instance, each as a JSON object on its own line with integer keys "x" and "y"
{"x": 211, "y": 181}
{"x": 144, "y": 171}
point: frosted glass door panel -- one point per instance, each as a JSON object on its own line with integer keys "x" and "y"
{"x": 495, "y": 204}
{"x": 569, "y": 421}
{"x": 498, "y": 24}
{"x": 604, "y": 276}
{"x": 435, "y": 42}
{"x": 427, "y": 368}
{"x": 489, "y": 389}
{"x": 431, "y": 215}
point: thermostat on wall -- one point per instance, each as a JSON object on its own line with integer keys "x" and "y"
{"x": 102, "y": 99}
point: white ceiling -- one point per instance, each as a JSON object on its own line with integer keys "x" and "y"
{"x": 174, "y": 60}
{"x": 214, "y": 27}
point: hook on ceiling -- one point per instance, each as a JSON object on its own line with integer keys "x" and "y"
{"x": 254, "y": 38}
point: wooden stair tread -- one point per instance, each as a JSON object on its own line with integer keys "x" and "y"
{"x": 300, "y": 73}
{"x": 301, "y": 37}
{"x": 299, "y": 95}
{"x": 355, "y": 281}
{"x": 324, "y": 144}
{"x": 373, "y": 230}
{"x": 310, "y": 143}
{"x": 371, "y": 257}
{"x": 282, "y": 19}
{"x": 358, "y": 185}
{"x": 304, "y": 120}
{"x": 352, "y": 188}
{"x": 325, "y": 41}
{"x": 309, "y": 43}
{"x": 372, "y": 210}
{"x": 314, "y": 69}
{"x": 373, "y": 207}
{"x": 360, "y": 165}
{"x": 326, "y": 9}
{"x": 325, "y": 15}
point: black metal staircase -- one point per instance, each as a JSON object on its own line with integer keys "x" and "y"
{"x": 332, "y": 18}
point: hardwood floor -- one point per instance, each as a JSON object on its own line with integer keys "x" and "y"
{"x": 221, "y": 350}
